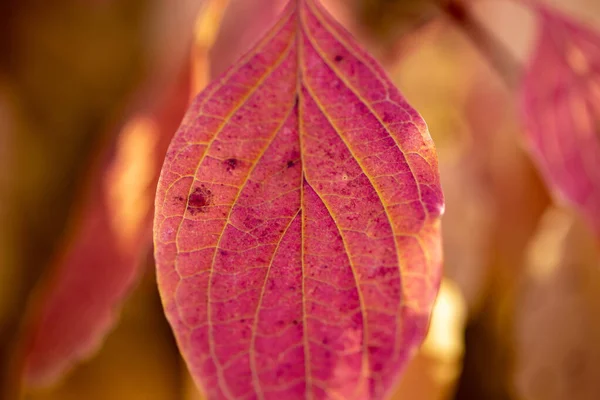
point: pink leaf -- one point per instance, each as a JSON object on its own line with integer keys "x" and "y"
{"x": 561, "y": 109}
{"x": 297, "y": 222}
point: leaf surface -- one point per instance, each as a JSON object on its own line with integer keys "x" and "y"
{"x": 297, "y": 221}
{"x": 561, "y": 110}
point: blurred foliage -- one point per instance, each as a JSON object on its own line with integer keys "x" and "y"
{"x": 68, "y": 69}
{"x": 72, "y": 72}
{"x": 138, "y": 361}
{"x": 388, "y": 20}
{"x": 557, "y": 324}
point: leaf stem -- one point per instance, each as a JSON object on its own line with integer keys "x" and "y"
{"x": 497, "y": 54}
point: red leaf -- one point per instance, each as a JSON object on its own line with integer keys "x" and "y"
{"x": 104, "y": 258}
{"x": 297, "y": 221}
{"x": 561, "y": 109}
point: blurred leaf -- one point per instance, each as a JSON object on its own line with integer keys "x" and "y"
{"x": 518, "y": 199}
{"x": 470, "y": 209}
{"x": 557, "y": 330}
{"x": 138, "y": 361}
{"x": 494, "y": 199}
{"x": 102, "y": 260}
{"x": 68, "y": 69}
{"x": 74, "y": 71}
{"x": 280, "y": 227}
{"x": 115, "y": 227}
{"x": 561, "y": 109}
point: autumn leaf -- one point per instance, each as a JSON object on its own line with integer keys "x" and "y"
{"x": 297, "y": 231}
{"x": 561, "y": 109}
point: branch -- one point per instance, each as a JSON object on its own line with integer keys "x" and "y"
{"x": 498, "y": 56}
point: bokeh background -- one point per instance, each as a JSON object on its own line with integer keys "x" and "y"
{"x": 90, "y": 91}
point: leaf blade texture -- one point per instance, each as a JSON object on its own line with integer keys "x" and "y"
{"x": 561, "y": 110}
{"x": 297, "y": 221}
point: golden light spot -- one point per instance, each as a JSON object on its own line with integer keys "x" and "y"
{"x": 205, "y": 33}
{"x": 544, "y": 252}
{"x": 129, "y": 177}
{"x": 577, "y": 60}
{"x": 207, "y": 24}
{"x": 444, "y": 341}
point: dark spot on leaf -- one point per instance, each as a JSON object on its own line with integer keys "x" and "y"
{"x": 281, "y": 322}
{"x": 281, "y": 370}
{"x": 325, "y": 340}
{"x": 295, "y": 322}
{"x": 338, "y": 58}
{"x": 179, "y": 198}
{"x": 231, "y": 164}
{"x": 290, "y": 164}
{"x": 199, "y": 200}
{"x": 296, "y": 100}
